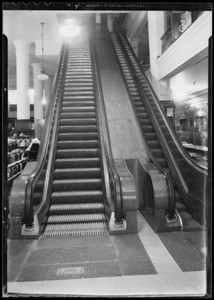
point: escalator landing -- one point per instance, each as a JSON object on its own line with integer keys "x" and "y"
{"x": 77, "y": 257}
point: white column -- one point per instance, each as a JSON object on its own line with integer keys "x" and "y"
{"x": 38, "y": 92}
{"x": 98, "y": 18}
{"x": 110, "y": 19}
{"x": 22, "y": 78}
{"x": 48, "y": 89}
{"x": 155, "y": 31}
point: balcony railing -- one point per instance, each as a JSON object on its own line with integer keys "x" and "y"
{"x": 180, "y": 22}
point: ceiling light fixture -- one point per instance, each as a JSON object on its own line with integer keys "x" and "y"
{"x": 43, "y": 76}
{"x": 69, "y": 29}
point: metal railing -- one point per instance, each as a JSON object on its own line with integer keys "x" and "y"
{"x": 45, "y": 142}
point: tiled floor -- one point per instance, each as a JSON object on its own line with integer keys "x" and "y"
{"x": 169, "y": 280}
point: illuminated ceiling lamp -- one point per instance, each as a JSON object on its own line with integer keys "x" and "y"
{"x": 42, "y": 76}
{"x": 70, "y": 29}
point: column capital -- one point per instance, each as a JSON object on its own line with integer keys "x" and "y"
{"x": 22, "y": 44}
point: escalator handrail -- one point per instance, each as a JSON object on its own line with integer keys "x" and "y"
{"x": 40, "y": 211}
{"x": 44, "y": 144}
{"x": 179, "y": 178}
{"x": 166, "y": 172}
{"x": 180, "y": 147}
{"x": 105, "y": 134}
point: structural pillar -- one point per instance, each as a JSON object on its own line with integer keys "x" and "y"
{"x": 110, "y": 19}
{"x": 23, "y": 79}
{"x": 38, "y": 94}
{"x": 156, "y": 30}
{"x": 48, "y": 89}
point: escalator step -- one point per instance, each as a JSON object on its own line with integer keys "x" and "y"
{"x": 77, "y": 184}
{"x": 78, "y": 104}
{"x": 87, "y": 162}
{"x": 78, "y": 73}
{"x": 75, "y": 229}
{"x": 79, "y": 98}
{"x": 77, "y": 153}
{"x": 162, "y": 162}
{"x": 99, "y": 217}
{"x": 75, "y": 115}
{"x": 153, "y": 144}
{"x": 78, "y": 208}
{"x": 148, "y": 128}
{"x": 151, "y": 136}
{"x": 140, "y": 108}
{"x": 78, "y": 136}
{"x": 77, "y": 144}
{"x": 77, "y": 67}
{"x": 85, "y": 121}
{"x": 76, "y": 196}
{"x": 145, "y": 122}
{"x": 78, "y": 79}
{"x": 78, "y": 84}
{"x": 78, "y": 128}
{"x": 79, "y": 92}
{"x": 69, "y": 173}
{"x": 157, "y": 152}
{"x": 78, "y": 109}
{"x": 80, "y": 88}
{"x": 138, "y": 104}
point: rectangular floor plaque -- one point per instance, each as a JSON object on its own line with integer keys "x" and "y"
{"x": 67, "y": 271}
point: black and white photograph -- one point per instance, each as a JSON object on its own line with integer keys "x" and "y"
{"x": 107, "y": 149}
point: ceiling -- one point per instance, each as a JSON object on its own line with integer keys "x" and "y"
{"x": 25, "y": 24}
{"x": 18, "y": 24}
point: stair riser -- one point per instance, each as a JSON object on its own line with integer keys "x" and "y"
{"x": 80, "y": 129}
{"x": 64, "y": 186}
{"x": 77, "y": 145}
{"x": 78, "y": 136}
{"x": 70, "y": 122}
{"x": 75, "y": 199}
{"x": 77, "y": 164}
{"x": 76, "y": 174}
{"x": 77, "y": 154}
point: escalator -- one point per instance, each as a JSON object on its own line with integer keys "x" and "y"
{"x": 189, "y": 179}
{"x": 74, "y": 188}
{"x": 77, "y": 199}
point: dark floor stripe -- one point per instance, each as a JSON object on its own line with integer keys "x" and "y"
{"x": 183, "y": 251}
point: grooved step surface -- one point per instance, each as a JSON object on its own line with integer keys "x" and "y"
{"x": 77, "y": 184}
{"x": 77, "y": 206}
{"x": 76, "y": 218}
{"x": 74, "y": 229}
